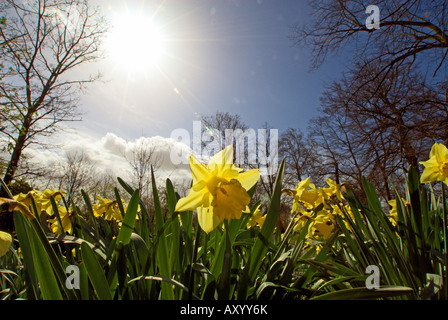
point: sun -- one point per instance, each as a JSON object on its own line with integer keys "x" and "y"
{"x": 135, "y": 43}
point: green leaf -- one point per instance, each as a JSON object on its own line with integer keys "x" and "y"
{"x": 260, "y": 247}
{"x": 127, "y": 227}
{"x": 74, "y": 241}
{"x": 95, "y": 272}
{"x": 56, "y": 213}
{"x": 224, "y": 277}
{"x": 364, "y": 293}
{"x": 27, "y": 253}
{"x": 162, "y": 249}
{"x": 123, "y": 239}
{"x": 48, "y": 283}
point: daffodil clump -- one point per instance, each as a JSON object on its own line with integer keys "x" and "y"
{"x": 307, "y": 199}
{"x": 108, "y": 209}
{"x": 219, "y": 190}
{"x": 42, "y": 202}
{"x": 105, "y": 208}
{"x": 332, "y": 237}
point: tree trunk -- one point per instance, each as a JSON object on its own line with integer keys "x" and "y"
{"x": 16, "y": 153}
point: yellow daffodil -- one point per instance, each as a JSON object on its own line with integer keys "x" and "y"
{"x": 26, "y": 200}
{"x": 5, "y": 242}
{"x": 298, "y": 193}
{"x": 311, "y": 197}
{"x": 107, "y": 208}
{"x": 65, "y": 219}
{"x": 42, "y": 199}
{"x": 436, "y": 168}
{"x": 45, "y": 200}
{"x": 307, "y": 198}
{"x": 322, "y": 224}
{"x": 219, "y": 190}
{"x": 335, "y": 189}
{"x": 301, "y": 220}
{"x": 393, "y": 214}
{"x": 257, "y": 218}
{"x": 347, "y": 211}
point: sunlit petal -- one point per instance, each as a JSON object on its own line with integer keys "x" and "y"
{"x": 198, "y": 170}
{"x": 207, "y": 219}
{"x": 222, "y": 160}
{"x": 5, "y": 242}
{"x": 192, "y": 201}
{"x": 249, "y": 178}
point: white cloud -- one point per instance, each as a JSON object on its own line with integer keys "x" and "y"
{"x": 108, "y": 153}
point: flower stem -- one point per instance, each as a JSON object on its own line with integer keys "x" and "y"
{"x": 224, "y": 281}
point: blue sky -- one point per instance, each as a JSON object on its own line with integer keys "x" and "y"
{"x": 229, "y": 55}
{"x": 219, "y": 55}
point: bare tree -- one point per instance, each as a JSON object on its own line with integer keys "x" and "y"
{"x": 408, "y": 31}
{"x": 43, "y": 40}
{"x": 221, "y": 129}
{"x": 78, "y": 171}
{"x": 379, "y": 130}
{"x": 267, "y": 158}
{"x": 295, "y": 147}
{"x": 142, "y": 158}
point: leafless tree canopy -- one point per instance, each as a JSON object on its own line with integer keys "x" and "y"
{"x": 77, "y": 172}
{"x": 142, "y": 159}
{"x": 379, "y": 134}
{"x": 41, "y": 42}
{"x": 388, "y": 108}
{"x": 294, "y": 147}
{"x": 215, "y": 126}
{"x": 409, "y": 30}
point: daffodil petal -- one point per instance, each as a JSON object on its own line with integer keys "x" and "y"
{"x": 207, "y": 219}
{"x": 199, "y": 171}
{"x": 192, "y": 201}
{"x": 222, "y": 159}
{"x": 439, "y": 151}
{"x": 249, "y": 178}
{"x": 301, "y": 187}
{"x": 5, "y": 242}
{"x": 309, "y": 197}
{"x": 431, "y": 172}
